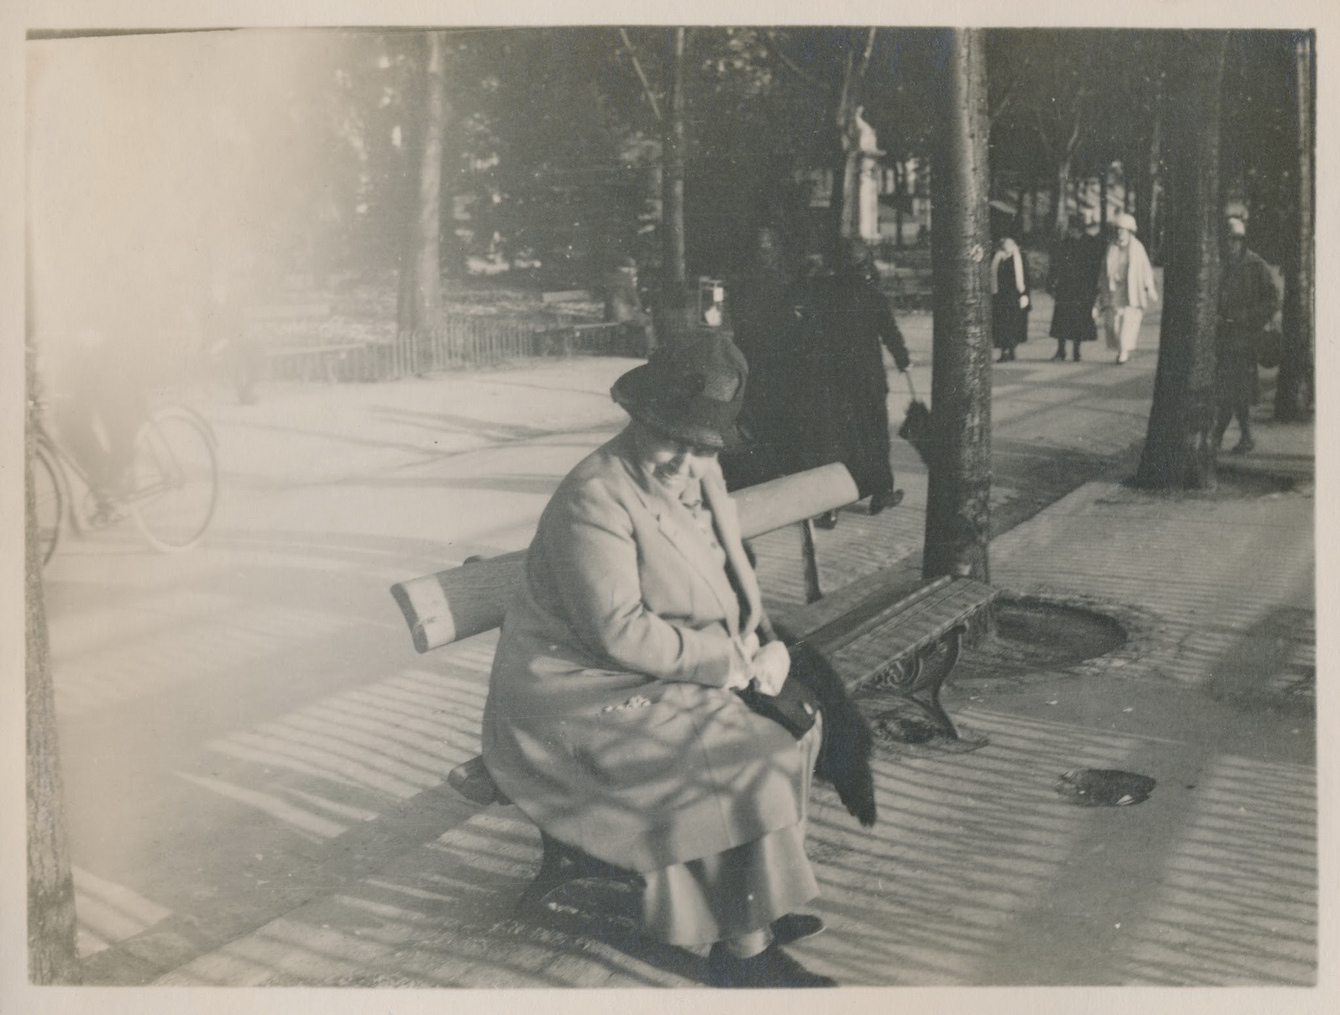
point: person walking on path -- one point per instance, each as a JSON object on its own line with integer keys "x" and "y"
{"x": 1126, "y": 289}
{"x": 612, "y": 720}
{"x": 1074, "y": 284}
{"x": 1009, "y": 298}
{"x": 848, "y": 321}
{"x": 1248, "y": 300}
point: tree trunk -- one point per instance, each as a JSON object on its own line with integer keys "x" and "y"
{"x": 674, "y": 304}
{"x": 406, "y": 253}
{"x": 899, "y": 188}
{"x": 1178, "y": 453}
{"x": 1153, "y": 176}
{"x": 958, "y": 517}
{"x": 52, "y": 954}
{"x": 428, "y": 221}
{"x": 1061, "y": 188}
{"x": 1293, "y": 390}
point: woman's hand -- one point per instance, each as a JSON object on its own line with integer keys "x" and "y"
{"x": 770, "y": 666}
{"x": 751, "y": 645}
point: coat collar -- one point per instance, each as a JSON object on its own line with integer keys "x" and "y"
{"x": 677, "y": 525}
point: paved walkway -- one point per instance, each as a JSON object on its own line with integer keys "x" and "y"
{"x": 978, "y": 871}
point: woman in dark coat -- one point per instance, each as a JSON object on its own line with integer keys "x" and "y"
{"x": 856, "y": 322}
{"x": 612, "y": 720}
{"x": 1009, "y": 298}
{"x": 1248, "y": 300}
{"x": 1074, "y": 285}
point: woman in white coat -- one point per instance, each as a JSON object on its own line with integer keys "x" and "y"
{"x": 1126, "y": 289}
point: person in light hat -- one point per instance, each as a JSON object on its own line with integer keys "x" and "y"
{"x": 1125, "y": 290}
{"x": 1248, "y": 300}
{"x": 612, "y": 720}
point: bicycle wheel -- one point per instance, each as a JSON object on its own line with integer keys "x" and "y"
{"x": 176, "y": 480}
{"x": 49, "y": 503}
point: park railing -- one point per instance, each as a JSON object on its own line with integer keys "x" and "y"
{"x": 475, "y": 341}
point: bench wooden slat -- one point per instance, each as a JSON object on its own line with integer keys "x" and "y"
{"x": 450, "y": 605}
{"x": 904, "y": 629}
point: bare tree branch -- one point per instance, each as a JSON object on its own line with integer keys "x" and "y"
{"x": 865, "y": 57}
{"x": 791, "y": 65}
{"x": 637, "y": 66}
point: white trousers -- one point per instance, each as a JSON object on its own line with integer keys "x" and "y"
{"x": 1122, "y": 327}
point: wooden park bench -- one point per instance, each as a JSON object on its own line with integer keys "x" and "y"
{"x": 907, "y": 645}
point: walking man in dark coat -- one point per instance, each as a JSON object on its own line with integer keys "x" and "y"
{"x": 850, "y": 423}
{"x": 1248, "y": 300}
{"x": 1074, "y": 285}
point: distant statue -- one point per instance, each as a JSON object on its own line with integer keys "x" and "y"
{"x": 866, "y": 142}
{"x": 860, "y": 193}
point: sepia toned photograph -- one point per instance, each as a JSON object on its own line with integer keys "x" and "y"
{"x": 670, "y": 506}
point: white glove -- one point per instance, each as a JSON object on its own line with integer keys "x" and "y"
{"x": 770, "y": 666}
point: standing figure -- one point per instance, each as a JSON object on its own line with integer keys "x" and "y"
{"x": 1126, "y": 288}
{"x": 228, "y": 339}
{"x": 1248, "y": 300}
{"x": 612, "y": 720}
{"x": 623, "y": 306}
{"x": 1074, "y": 284}
{"x": 848, "y": 319}
{"x": 761, "y": 322}
{"x": 1009, "y": 298}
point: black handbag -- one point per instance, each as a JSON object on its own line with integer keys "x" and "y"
{"x": 794, "y": 706}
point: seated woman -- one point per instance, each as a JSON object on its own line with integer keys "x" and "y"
{"x": 612, "y": 719}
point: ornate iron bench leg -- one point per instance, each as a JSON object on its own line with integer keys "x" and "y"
{"x": 559, "y": 864}
{"x": 550, "y": 875}
{"x": 925, "y": 691}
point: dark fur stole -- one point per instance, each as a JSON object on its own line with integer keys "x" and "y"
{"x": 844, "y": 757}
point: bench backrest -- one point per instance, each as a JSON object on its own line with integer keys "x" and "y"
{"x": 450, "y": 605}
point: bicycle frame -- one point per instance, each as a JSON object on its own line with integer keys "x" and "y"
{"x": 66, "y": 463}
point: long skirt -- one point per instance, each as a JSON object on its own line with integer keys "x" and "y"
{"x": 1121, "y": 326}
{"x": 741, "y": 890}
{"x": 1009, "y": 325}
{"x": 1072, "y": 321}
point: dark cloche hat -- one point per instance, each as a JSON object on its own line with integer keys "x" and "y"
{"x": 691, "y": 390}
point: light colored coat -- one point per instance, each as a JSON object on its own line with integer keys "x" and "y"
{"x": 607, "y": 720}
{"x": 1140, "y": 288}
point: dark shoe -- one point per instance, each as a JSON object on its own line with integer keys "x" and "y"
{"x": 795, "y": 927}
{"x": 1060, "y": 354}
{"x": 1076, "y": 354}
{"x": 827, "y": 520}
{"x": 885, "y": 499}
{"x": 1243, "y": 446}
{"x": 771, "y": 967}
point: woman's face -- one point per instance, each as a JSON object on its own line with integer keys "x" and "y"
{"x": 1123, "y": 237}
{"x": 669, "y": 459}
